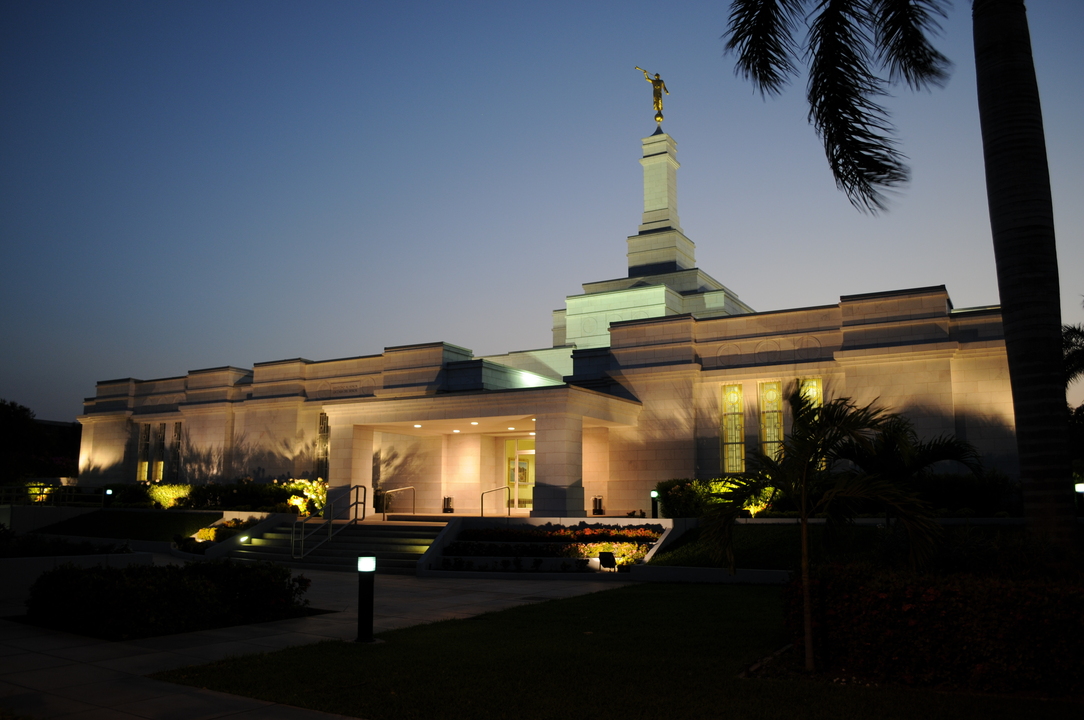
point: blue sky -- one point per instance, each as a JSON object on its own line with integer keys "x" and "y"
{"x": 196, "y": 184}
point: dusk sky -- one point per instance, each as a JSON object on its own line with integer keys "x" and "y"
{"x": 196, "y": 184}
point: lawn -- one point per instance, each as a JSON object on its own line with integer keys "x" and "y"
{"x": 776, "y": 547}
{"x": 645, "y": 651}
{"x": 134, "y": 524}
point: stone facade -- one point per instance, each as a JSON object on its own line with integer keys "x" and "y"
{"x": 631, "y": 393}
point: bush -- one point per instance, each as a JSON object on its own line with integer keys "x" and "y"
{"x": 683, "y": 498}
{"x": 129, "y": 495}
{"x": 147, "y": 600}
{"x": 964, "y": 631}
{"x": 31, "y": 545}
{"x": 691, "y": 498}
{"x": 246, "y": 495}
{"x": 967, "y": 495}
{"x": 168, "y": 495}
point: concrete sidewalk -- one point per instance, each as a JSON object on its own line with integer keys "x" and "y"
{"x": 49, "y": 674}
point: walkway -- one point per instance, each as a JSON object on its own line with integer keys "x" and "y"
{"x": 49, "y": 674}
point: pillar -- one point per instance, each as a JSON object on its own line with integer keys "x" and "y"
{"x": 558, "y": 490}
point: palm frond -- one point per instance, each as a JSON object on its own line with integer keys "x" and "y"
{"x": 946, "y": 448}
{"x": 761, "y": 32}
{"x": 903, "y": 27}
{"x": 855, "y": 130}
{"x": 1072, "y": 347}
{"x": 717, "y": 522}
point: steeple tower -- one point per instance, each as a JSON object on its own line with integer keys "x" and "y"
{"x": 660, "y": 246}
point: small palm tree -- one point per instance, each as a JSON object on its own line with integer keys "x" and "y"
{"x": 809, "y": 471}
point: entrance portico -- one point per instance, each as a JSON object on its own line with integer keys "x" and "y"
{"x": 454, "y": 445}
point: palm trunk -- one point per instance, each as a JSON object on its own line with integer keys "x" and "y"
{"x": 1022, "y": 225}
{"x": 807, "y": 598}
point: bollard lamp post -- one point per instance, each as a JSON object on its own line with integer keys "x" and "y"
{"x": 366, "y": 591}
{"x": 655, "y": 503}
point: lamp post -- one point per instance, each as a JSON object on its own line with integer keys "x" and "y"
{"x": 366, "y": 590}
{"x": 655, "y": 504}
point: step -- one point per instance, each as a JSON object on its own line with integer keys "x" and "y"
{"x": 397, "y": 546}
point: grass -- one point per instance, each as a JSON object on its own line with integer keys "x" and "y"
{"x": 645, "y": 651}
{"x": 774, "y": 547}
{"x": 134, "y": 524}
{"x": 979, "y": 548}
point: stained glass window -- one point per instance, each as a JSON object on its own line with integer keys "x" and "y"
{"x": 733, "y": 429}
{"x": 771, "y": 418}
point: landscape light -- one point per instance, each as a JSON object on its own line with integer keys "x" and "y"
{"x": 366, "y": 592}
{"x": 243, "y": 540}
{"x": 654, "y": 503}
{"x": 108, "y": 492}
{"x": 1080, "y": 487}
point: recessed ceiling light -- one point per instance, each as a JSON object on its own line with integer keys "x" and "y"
{"x": 534, "y": 419}
{"x": 532, "y": 433}
{"x": 511, "y": 428}
{"x": 474, "y": 422}
{"x": 417, "y": 426}
{"x": 455, "y": 431}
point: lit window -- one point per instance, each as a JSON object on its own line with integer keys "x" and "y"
{"x": 733, "y": 430}
{"x": 159, "y": 465}
{"x": 813, "y": 390}
{"x": 174, "y": 471}
{"x": 771, "y": 418}
{"x": 143, "y": 452}
{"x": 323, "y": 437}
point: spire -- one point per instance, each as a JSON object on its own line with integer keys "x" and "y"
{"x": 660, "y": 246}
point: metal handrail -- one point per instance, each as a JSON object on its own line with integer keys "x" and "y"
{"x": 298, "y": 539}
{"x": 413, "y": 499}
{"x": 482, "y": 500}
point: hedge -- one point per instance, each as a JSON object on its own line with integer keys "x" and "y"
{"x": 147, "y": 600}
{"x": 990, "y": 634}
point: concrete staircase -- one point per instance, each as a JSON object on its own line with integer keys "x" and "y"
{"x": 396, "y": 546}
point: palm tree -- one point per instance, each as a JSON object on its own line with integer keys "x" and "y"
{"x": 848, "y": 44}
{"x": 807, "y": 471}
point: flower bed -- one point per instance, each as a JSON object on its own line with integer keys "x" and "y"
{"x": 547, "y": 548}
{"x": 625, "y": 552}
{"x": 643, "y": 534}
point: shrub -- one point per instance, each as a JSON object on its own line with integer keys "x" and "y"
{"x": 248, "y": 495}
{"x": 130, "y": 495}
{"x": 168, "y": 495}
{"x": 147, "y": 600}
{"x": 31, "y": 545}
{"x": 965, "y": 631}
{"x": 691, "y": 498}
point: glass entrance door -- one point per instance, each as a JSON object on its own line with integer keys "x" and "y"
{"x": 519, "y": 455}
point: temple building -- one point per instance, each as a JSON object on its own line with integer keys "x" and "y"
{"x": 662, "y": 374}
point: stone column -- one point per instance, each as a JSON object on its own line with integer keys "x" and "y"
{"x": 350, "y": 456}
{"x": 558, "y": 490}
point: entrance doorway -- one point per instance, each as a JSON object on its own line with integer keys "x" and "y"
{"x": 519, "y": 460}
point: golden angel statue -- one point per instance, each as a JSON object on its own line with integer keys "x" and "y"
{"x": 658, "y": 87}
